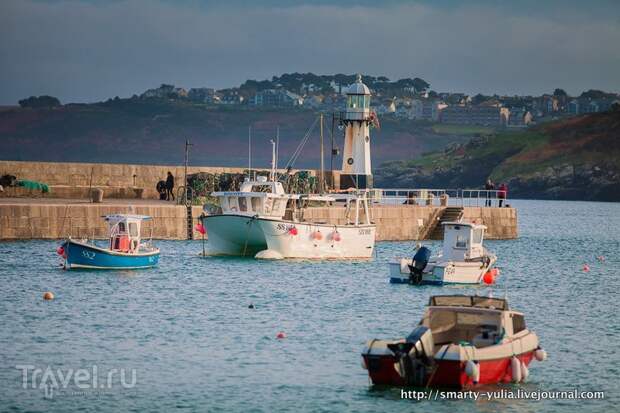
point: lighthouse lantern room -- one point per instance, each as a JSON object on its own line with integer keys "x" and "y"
{"x": 357, "y": 118}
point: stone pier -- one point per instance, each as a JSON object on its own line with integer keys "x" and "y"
{"x": 43, "y": 219}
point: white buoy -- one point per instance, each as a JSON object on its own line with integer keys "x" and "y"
{"x": 525, "y": 372}
{"x": 515, "y": 366}
{"x": 472, "y": 370}
{"x": 540, "y": 354}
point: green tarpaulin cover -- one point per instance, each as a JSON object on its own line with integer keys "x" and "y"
{"x": 34, "y": 185}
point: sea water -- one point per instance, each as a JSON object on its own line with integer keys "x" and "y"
{"x": 183, "y": 336}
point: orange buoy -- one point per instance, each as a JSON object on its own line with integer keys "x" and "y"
{"x": 317, "y": 235}
{"x": 281, "y": 335}
{"x": 336, "y": 236}
{"x": 48, "y": 295}
{"x": 586, "y": 268}
{"x": 489, "y": 276}
{"x": 60, "y": 250}
{"x": 293, "y": 231}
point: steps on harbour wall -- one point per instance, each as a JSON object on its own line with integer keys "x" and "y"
{"x": 449, "y": 214}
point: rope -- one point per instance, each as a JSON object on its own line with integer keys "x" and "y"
{"x": 247, "y": 234}
{"x": 301, "y": 145}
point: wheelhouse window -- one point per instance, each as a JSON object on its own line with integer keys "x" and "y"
{"x": 461, "y": 241}
{"x": 133, "y": 229}
{"x": 518, "y": 323}
{"x": 243, "y": 205}
{"x": 268, "y": 205}
{"x": 256, "y": 204}
{"x": 478, "y": 236}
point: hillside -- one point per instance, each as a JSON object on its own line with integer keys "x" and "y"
{"x": 154, "y": 131}
{"x": 576, "y": 158}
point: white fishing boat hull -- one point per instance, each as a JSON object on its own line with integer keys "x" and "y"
{"x": 288, "y": 239}
{"x": 440, "y": 273}
{"x": 233, "y": 235}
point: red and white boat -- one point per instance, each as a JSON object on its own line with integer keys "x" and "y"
{"x": 462, "y": 341}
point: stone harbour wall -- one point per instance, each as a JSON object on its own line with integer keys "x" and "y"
{"x": 406, "y": 222}
{"x": 73, "y": 179}
{"x": 394, "y": 222}
{"x": 54, "y": 221}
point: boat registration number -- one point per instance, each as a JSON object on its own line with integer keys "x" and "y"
{"x": 365, "y": 232}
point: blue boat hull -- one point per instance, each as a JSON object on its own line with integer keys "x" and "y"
{"x": 80, "y": 255}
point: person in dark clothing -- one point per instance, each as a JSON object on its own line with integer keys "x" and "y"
{"x": 169, "y": 186}
{"x": 489, "y": 186}
{"x": 161, "y": 189}
{"x": 502, "y": 193}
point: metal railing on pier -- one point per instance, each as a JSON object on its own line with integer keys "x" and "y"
{"x": 439, "y": 197}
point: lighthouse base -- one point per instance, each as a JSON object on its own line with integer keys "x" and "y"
{"x": 355, "y": 181}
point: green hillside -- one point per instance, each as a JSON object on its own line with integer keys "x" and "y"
{"x": 575, "y": 158}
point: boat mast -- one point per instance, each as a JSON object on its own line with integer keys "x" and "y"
{"x": 250, "y": 152}
{"x": 322, "y": 179}
{"x": 272, "y": 175}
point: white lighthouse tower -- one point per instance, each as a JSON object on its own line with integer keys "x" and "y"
{"x": 356, "y": 172}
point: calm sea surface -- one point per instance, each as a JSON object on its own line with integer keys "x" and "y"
{"x": 186, "y": 331}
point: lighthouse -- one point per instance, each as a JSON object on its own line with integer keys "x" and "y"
{"x": 356, "y": 172}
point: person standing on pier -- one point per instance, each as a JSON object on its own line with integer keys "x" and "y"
{"x": 502, "y": 193}
{"x": 169, "y": 186}
{"x": 489, "y": 186}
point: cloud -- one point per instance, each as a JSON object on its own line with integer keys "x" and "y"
{"x": 87, "y": 51}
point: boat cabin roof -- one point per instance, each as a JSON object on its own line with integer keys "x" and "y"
{"x": 470, "y": 301}
{"x": 463, "y": 224}
{"x": 126, "y": 217}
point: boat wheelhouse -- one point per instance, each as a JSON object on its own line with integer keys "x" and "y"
{"x": 463, "y": 259}
{"x": 461, "y": 341}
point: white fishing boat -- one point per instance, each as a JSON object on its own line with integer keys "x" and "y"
{"x": 464, "y": 260}
{"x": 298, "y": 238}
{"x": 233, "y": 228}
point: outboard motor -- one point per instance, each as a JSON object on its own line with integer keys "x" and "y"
{"x": 415, "y": 356}
{"x": 419, "y": 262}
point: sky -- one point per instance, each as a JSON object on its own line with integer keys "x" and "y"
{"x": 91, "y": 50}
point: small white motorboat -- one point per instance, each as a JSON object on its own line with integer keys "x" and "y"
{"x": 464, "y": 260}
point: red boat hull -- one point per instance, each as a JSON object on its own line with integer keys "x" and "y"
{"x": 449, "y": 373}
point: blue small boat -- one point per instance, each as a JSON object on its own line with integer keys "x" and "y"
{"x": 125, "y": 250}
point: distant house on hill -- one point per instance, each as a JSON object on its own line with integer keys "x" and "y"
{"x": 583, "y": 105}
{"x": 276, "y": 97}
{"x": 485, "y": 115}
{"x": 230, "y": 97}
{"x": 313, "y": 101}
{"x": 202, "y": 95}
{"x": 519, "y": 118}
{"x": 165, "y": 92}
